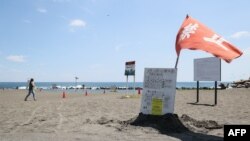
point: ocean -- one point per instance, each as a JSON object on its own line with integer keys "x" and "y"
{"x": 48, "y": 85}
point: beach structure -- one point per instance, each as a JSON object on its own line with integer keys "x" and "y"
{"x": 130, "y": 70}
{"x": 113, "y": 88}
{"x": 159, "y": 88}
{"x": 241, "y": 84}
{"x": 223, "y": 86}
{"x": 76, "y": 81}
{"x": 54, "y": 86}
{"x": 207, "y": 69}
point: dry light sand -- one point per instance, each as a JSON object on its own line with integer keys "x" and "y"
{"x": 108, "y": 117}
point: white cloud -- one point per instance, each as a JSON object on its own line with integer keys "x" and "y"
{"x": 77, "y": 23}
{"x": 42, "y": 10}
{"x": 240, "y": 34}
{"x": 16, "y": 58}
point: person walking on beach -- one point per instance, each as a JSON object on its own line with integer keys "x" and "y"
{"x": 31, "y": 90}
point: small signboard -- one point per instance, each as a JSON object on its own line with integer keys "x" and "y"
{"x": 207, "y": 69}
{"x": 130, "y": 68}
{"x": 156, "y": 106}
{"x": 159, "y": 88}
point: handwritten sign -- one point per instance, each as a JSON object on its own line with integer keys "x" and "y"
{"x": 159, "y": 88}
{"x": 207, "y": 69}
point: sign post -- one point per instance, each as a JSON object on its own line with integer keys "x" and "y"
{"x": 130, "y": 70}
{"x": 197, "y": 97}
{"x": 127, "y": 84}
{"x": 207, "y": 69}
{"x": 134, "y": 82}
{"x": 215, "y": 93}
{"x": 159, "y": 88}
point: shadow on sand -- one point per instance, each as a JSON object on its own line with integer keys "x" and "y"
{"x": 200, "y": 104}
{"x": 171, "y": 125}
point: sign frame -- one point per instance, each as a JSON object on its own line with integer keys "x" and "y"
{"x": 207, "y": 69}
{"x": 204, "y": 69}
{"x": 130, "y": 68}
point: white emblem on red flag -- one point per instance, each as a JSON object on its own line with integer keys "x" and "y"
{"x": 217, "y": 40}
{"x": 189, "y": 29}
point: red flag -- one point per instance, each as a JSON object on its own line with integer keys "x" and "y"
{"x": 194, "y": 35}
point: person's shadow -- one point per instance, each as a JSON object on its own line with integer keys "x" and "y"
{"x": 171, "y": 125}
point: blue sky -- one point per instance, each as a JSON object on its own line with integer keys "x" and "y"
{"x": 56, "y": 40}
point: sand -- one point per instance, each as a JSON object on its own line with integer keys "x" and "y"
{"x": 113, "y": 116}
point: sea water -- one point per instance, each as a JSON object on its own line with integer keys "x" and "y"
{"x": 48, "y": 85}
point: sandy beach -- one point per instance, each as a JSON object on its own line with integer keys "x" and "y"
{"x": 109, "y": 117}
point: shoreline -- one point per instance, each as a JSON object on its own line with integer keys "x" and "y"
{"x": 98, "y": 85}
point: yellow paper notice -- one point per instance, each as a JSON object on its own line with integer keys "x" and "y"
{"x": 156, "y": 106}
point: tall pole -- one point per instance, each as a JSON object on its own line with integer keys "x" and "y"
{"x": 215, "y": 95}
{"x": 177, "y": 60}
{"x": 197, "y": 89}
{"x": 76, "y": 80}
{"x": 127, "y": 85}
{"x": 134, "y": 82}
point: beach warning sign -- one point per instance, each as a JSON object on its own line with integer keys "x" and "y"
{"x": 207, "y": 69}
{"x": 130, "y": 68}
{"x": 159, "y": 88}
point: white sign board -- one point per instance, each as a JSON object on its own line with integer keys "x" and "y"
{"x": 159, "y": 88}
{"x": 207, "y": 69}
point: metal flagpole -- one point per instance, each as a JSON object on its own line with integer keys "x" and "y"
{"x": 177, "y": 60}
{"x": 134, "y": 83}
{"x": 127, "y": 86}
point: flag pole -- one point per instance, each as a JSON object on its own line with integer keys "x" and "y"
{"x": 177, "y": 60}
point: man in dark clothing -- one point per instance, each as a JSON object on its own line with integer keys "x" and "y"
{"x": 31, "y": 89}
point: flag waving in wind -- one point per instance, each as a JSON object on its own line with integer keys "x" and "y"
{"x": 194, "y": 35}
